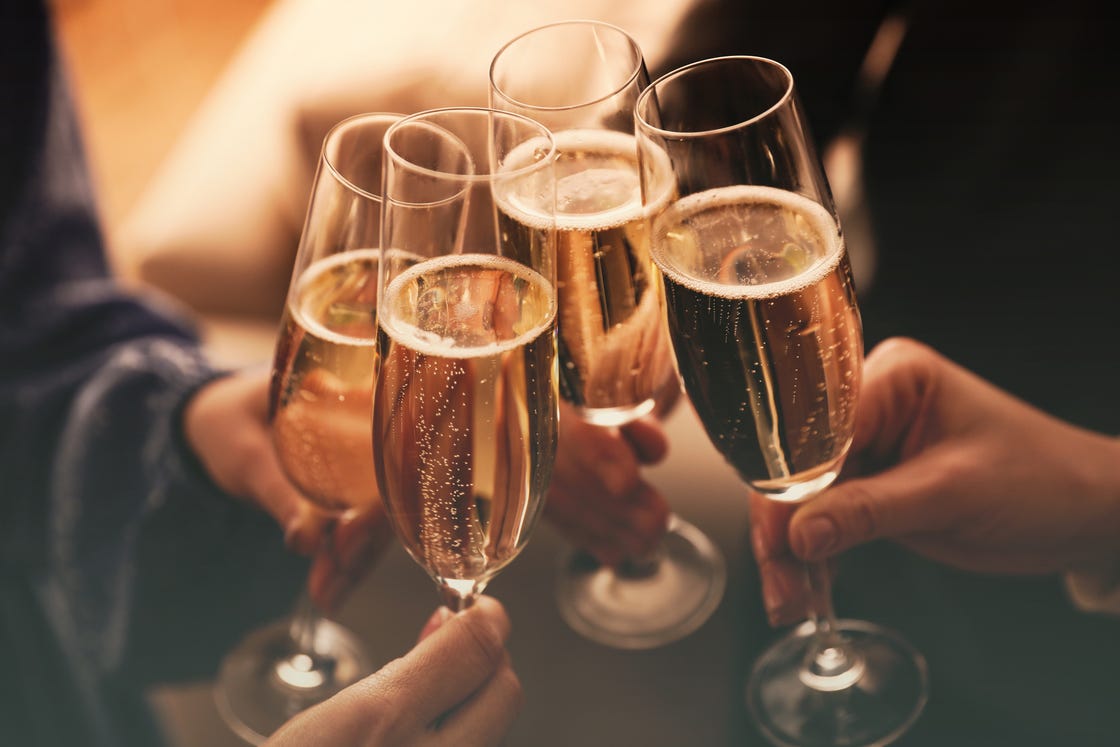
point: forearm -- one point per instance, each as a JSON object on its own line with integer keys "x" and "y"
{"x": 136, "y": 535}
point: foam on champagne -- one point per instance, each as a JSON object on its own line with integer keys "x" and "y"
{"x": 615, "y": 357}
{"x": 310, "y": 290}
{"x": 597, "y": 183}
{"x": 766, "y": 331}
{"x": 821, "y": 228}
{"x": 401, "y": 292}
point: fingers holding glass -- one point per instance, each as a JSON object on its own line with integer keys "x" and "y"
{"x": 320, "y": 396}
{"x": 766, "y": 331}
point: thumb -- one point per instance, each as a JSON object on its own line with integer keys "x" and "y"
{"x": 889, "y": 505}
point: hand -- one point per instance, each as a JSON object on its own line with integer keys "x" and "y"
{"x": 598, "y": 498}
{"x": 455, "y": 687}
{"x": 226, "y": 424}
{"x": 957, "y": 470}
{"x": 358, "y": 538}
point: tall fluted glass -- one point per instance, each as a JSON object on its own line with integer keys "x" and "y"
{"x": 581, "y": 79}
{"x": 766, "y": 330}
{"x": 322, "y": 387}
{"x": 466, "y": 404}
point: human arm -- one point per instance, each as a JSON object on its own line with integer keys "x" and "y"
{"x": 132, "y": 566}
{"x": 959, "y": 471}
{"x": 226, "y": 425}
{"x": 455, "y": 687}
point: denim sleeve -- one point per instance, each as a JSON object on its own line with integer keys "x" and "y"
{"x": 142, "y": 569}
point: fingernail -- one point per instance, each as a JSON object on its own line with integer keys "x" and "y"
{"x": 772, "y": 598}
{"x": 758, "y": 541}
{"x": 777, "y": 618}
{"x": 295, "y": 538}
{"x": 439, "y": 617}
{"x": 775, "y": 599}
{"x": 817, "y": 537}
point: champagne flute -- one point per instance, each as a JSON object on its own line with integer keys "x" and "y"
{"x": 767, "y": 335}
{"x": 581, "y": 78}
{"x": 466, "y": 404}
{"x": 320, "y": 399}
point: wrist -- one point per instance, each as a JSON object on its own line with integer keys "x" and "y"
{"x": 189, "y": 459}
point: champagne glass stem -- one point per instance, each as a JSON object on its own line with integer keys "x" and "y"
{"x": 307, "y": 668}
{"x": 830, "y": 661}
{"x": 642, "y": 566}
{"x": 304, "y": 620}
{"x": 458, "y": 595}
{"x": 453, "y": 600}
{"x": 819, "y": 583}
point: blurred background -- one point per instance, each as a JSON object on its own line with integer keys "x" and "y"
{"x": 204, "y": 121}
{"x": 140, "y": 69}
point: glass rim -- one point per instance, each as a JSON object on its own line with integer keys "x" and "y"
{"x": 651, "y": 89}
{"x": 473, "y": 178}
{"x": 338, "y": 129}
{"x": 633, "y": 75}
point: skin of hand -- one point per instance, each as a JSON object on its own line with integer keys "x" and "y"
{"x": 455, "y": 687}
{"x": 956, "y": 469}
{"x": 226, "y": 424}
{"x": 597, "y": 497}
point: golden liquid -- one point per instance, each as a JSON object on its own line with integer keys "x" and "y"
{"x": 465, "y": 411}
{"x": 767, "y": 334}
{"x": 322, "y": 381}
{"x": 615, "y": 356}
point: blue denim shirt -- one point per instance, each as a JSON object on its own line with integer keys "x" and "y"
{"x": 121, "y": 564}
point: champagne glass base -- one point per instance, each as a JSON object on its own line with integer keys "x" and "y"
{"x": 265, "y": 681}
{"x": 872, "y": 705}
{"x": 646, "y": 607}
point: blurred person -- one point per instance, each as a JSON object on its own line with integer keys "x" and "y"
{"x": 119, "y": 448}
{"x": 146, "y": 522}
{"x": 979, "y": 140}
{"x": 984, "y": 130}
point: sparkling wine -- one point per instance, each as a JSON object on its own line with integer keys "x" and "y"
{"x": 766, "y": 331}
{"x": 322, "y": 381}
{"x": 465, "y": 411}
{"x": 615, "y": 355}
